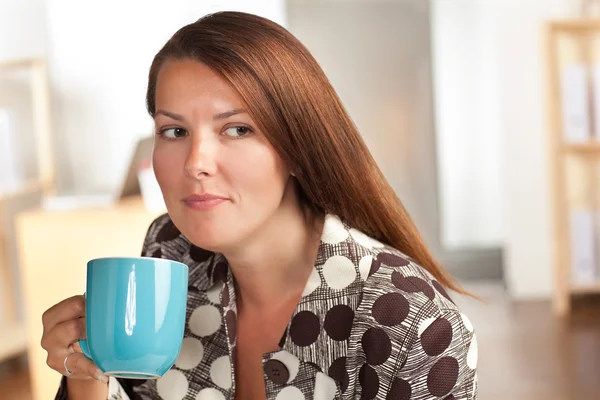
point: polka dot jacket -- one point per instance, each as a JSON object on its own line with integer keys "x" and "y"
{"x": 371, "y": 324}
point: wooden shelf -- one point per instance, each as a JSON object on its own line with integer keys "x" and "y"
{"x": 12, "y": 334}
{"x": 575, "y": 25}
{"x": 590, "y": 148}
{"x": 13, "y": 341}
{"x": 568, "y": 42}
{"x": 23, "y": 190}
{"x": 21, "y": 63}
{"x": 593, "y": 288}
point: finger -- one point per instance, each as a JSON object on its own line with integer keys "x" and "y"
{"x": 68, "y": 309}
{"x": 75, "y": 348}
{"x": 82, "y": 368}
{"x": 65, "y": 334}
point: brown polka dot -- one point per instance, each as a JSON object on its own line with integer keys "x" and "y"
{"x": 437, "y": 337}
{"x": 369, "y": 382}
{"x": 234, "y": 356}
{"x": 412, "y": 284}
{"x": 390, "y": 309}
{"x": 376, "y": 345}
{"x": 442, "y": 376}
{"x": 167, "y": 232}
{"x": 220, "y": 272}
{"x": 157, "y": 253}
{"x": 441, "y": 289}
{"x": 392, "y": 260}
{"x": 305, "y": 328}
{"x": 387, "y": 259}
{"x": 225, "y": 295}
{"x": 338, "y": 322}
{"x": 400, "y": 390}
{"x": 199, "y": 255}
{"x": 231, "y": 321}
{"x": 338, "y": 372}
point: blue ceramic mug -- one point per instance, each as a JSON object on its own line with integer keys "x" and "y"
{"x": 135, "y": 315}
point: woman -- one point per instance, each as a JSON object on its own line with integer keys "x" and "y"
{"x": 308, "y": 280}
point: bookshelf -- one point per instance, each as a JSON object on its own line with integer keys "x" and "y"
{"x": 13, "y": 341}
{"x": 572, "y": 82}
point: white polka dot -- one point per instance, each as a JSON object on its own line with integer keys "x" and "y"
{"x": 290, "y": 361}
{"x": 334, "y": 231}
{"x": 364, "y": 266}
{"x": 290, "y": 393}
{"x": 425, "y": 324}
{"x": 467, "y": 322}
{"x": 220, "y": 372}
{"x": 363, "y": 239}
{"x": 339, "y": 272}
{"x": 191, "y": 353}
{"x": 210, "y": 394}
{"x": 205, "y": 320}
{"x": 173, "y": 385}
{"x": 214, "y": 292}
{"x": 314, "y": 281}
{"x": 376, "y": 244}
{"x": 325, "y": 388}
{"x": 473, "y": 353}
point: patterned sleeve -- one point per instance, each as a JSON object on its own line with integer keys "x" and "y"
{"x": 414, "y": 343}
{"x": 119, "y": 389}
{"x": 442, "y": 361}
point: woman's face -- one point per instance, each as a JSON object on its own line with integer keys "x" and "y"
{"x": 221, "y": 179}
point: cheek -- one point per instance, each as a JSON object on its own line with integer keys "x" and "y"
{"x": 259, "y": 172}
{"x": 165, "y": 168}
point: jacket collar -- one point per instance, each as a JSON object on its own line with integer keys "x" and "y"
{"x": 344, "y": 259}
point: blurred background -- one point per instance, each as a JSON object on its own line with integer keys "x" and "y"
{"x": 481, "y": 114}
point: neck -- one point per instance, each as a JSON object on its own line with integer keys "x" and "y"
{"x": 273, "y": 268}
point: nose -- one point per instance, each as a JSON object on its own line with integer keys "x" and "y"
{"x": 200, "y": 161}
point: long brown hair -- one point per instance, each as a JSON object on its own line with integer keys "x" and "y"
{"x": 290, "y": 98}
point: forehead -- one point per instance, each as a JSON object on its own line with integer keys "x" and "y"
{"x": 192, "y": 81}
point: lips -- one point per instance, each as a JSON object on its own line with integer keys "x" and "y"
{"x": 204, "y": 201}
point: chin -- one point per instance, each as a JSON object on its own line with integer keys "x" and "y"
{"x": 207, "y": 238}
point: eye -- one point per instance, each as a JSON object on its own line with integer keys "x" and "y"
{"x": 238, "y": 131}
{"x": 173, "y": 133}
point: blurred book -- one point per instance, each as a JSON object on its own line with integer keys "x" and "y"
{"x": 11, "y": 172}
{"x": 575, "y": 103}
{"x": 583, "y": 246}
{"x": 70, "y": 201}
{"x": 596, "y": 100}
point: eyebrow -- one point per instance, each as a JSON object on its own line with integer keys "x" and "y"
{"x": 220, "y": 116}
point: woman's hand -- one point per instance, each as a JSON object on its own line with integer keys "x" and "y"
{"x": 64, "y": 325}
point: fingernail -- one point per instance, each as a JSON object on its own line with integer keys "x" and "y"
{"x": 101, "y": 377}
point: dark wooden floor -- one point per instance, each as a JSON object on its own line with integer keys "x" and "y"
{"x": 525, "y": 353}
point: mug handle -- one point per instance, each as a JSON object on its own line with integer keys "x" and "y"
{"x": 84, "y": 345}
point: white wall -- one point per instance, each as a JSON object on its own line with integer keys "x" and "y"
{"x": 468, "y": 124}
{"x": 497, "y": 100}
{"x": 100, "y": 53}
{"x": 22, "y": 36}
{"x": 529, "y": 268}
{"x": 22, "y": 29}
